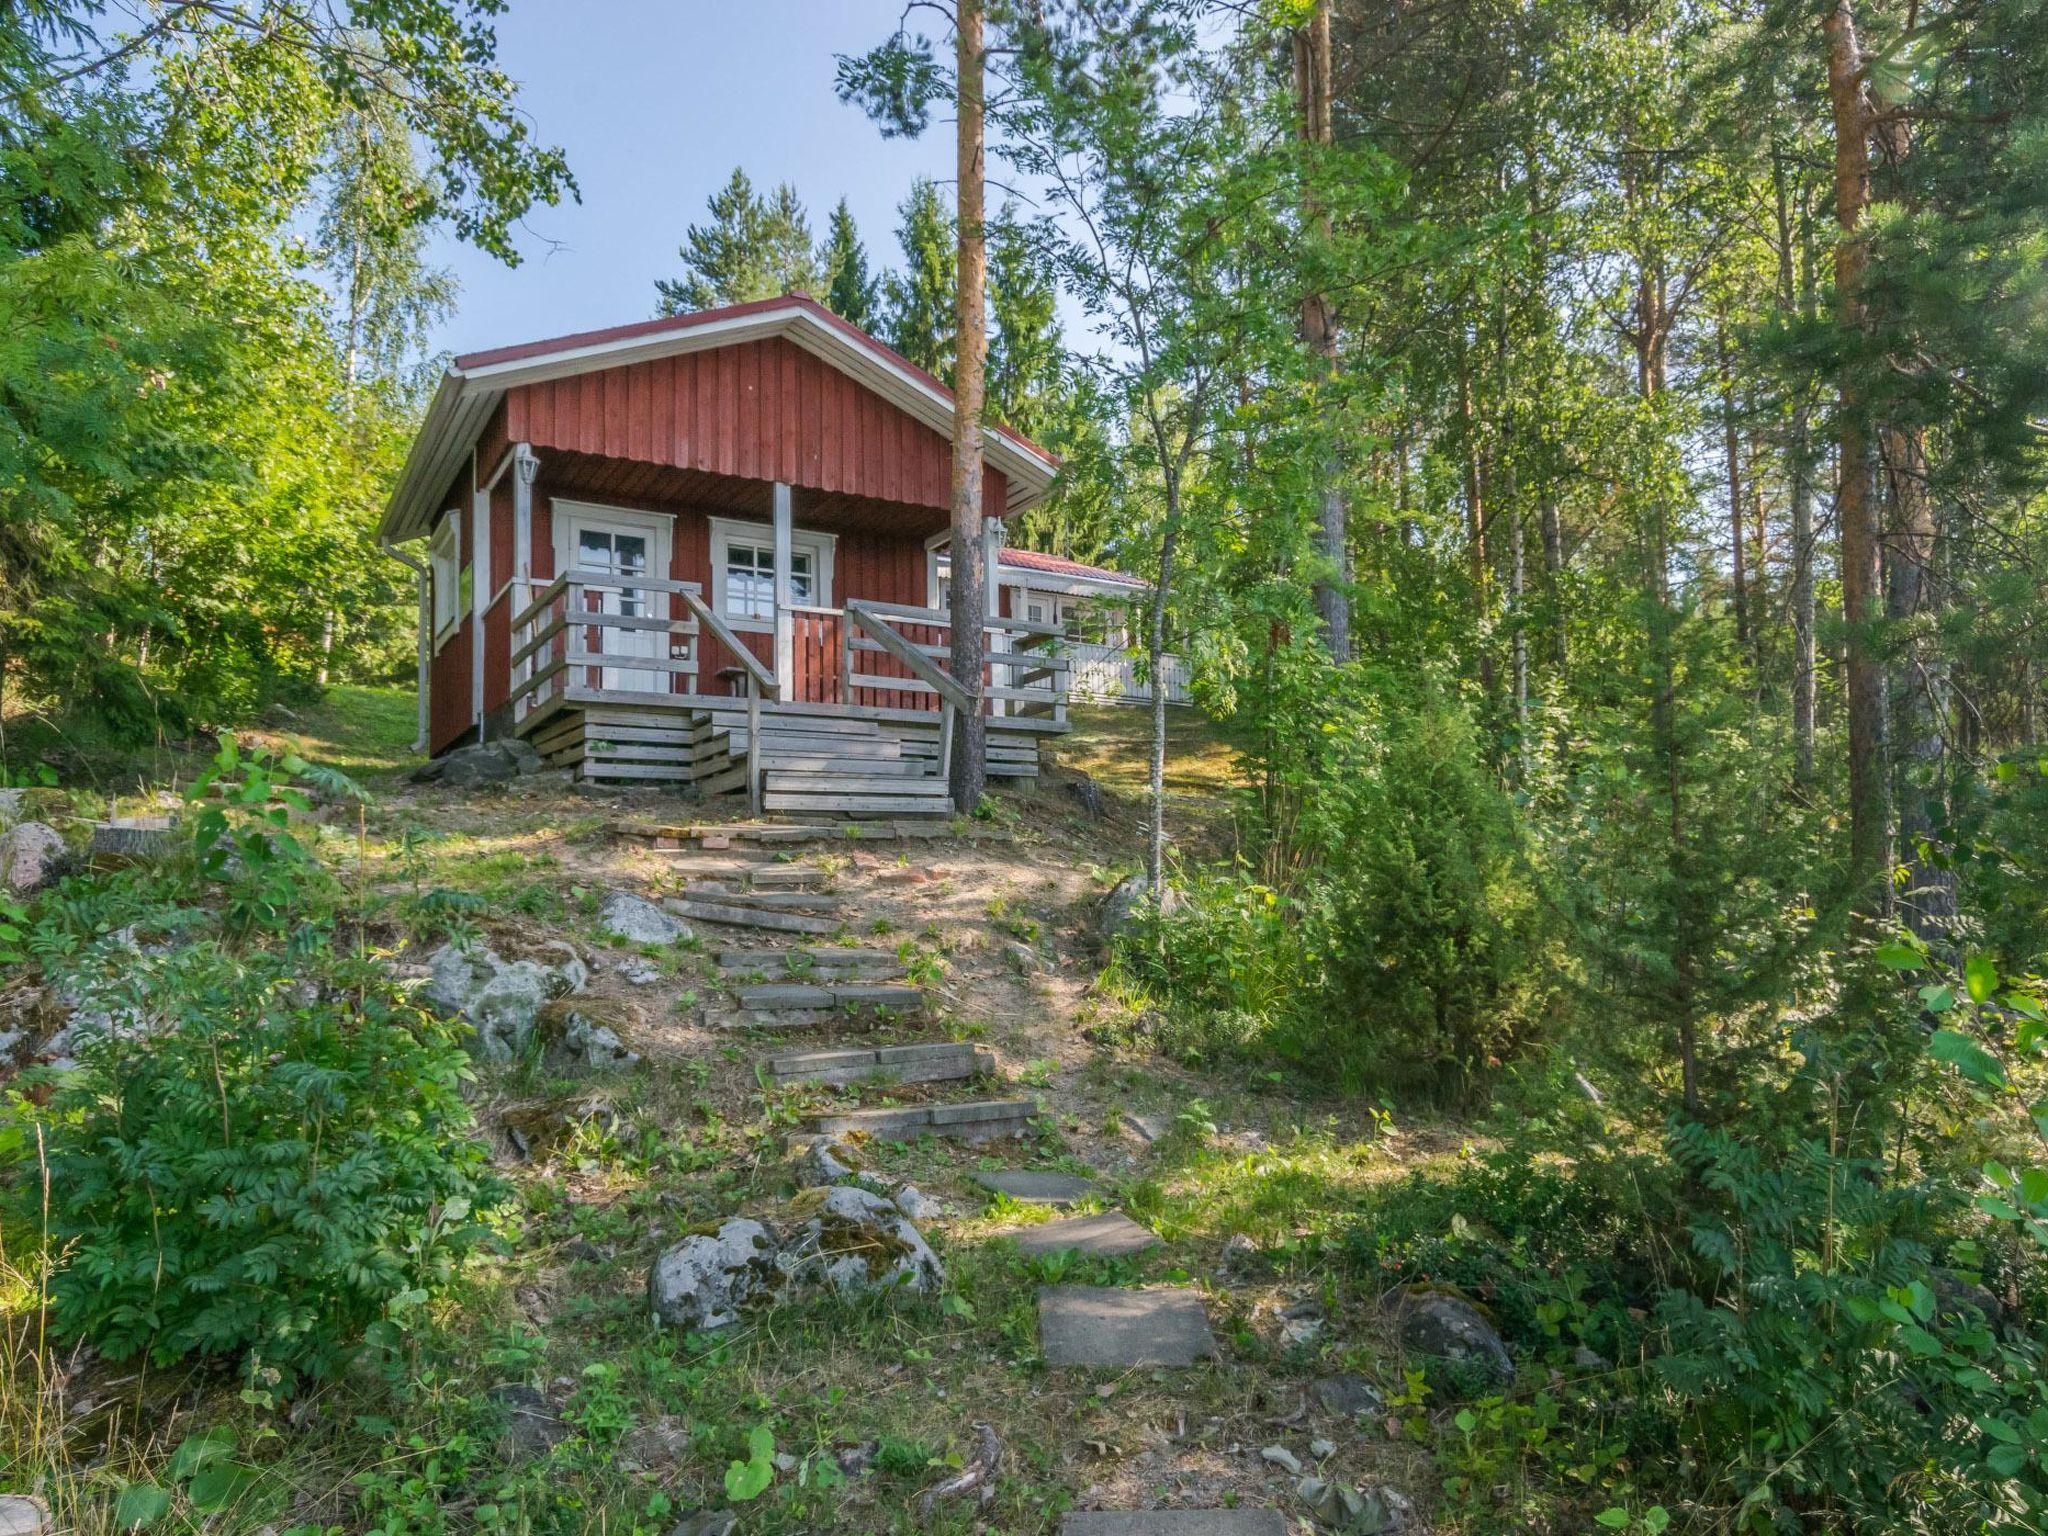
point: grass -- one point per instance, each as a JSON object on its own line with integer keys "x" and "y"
{"x": 366, "y": 732}
{"x": 1113, "y": 744}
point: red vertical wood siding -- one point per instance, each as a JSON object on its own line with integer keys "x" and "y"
{"x": 762, "y": 410}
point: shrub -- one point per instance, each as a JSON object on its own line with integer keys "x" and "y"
{"x": 264, "y": 1144}
{"x": 1403, "y": 940}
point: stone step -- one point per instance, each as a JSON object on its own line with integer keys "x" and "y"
{"x": 1094, "y": 1325}
{"x": 1027, "y": 1187}
{"x": 1108, "y": 1235}
{"x": 939, "y": 1062}
{"x": 750, "y": 917}
{"x": 1174, "y": 1522}
{"x": 819, "y": 995}
{"x": 787, "y": 877}
{"x": 976, "y": 1120}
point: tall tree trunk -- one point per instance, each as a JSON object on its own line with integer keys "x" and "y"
{"x": 1155, "y": 651}
{"x": 1319, "y": 332}
{"x": 1856, "y": 510}
{"x": 1796, "y": 284}
{"x": 1475, "y": 519}
{"x": 1731, "y": 441}
{"x": 1518, "y": 636}
{"x": 970, "y": 580}
{"x": 1553, "y": 576}
{"x": 1920, "y": 695}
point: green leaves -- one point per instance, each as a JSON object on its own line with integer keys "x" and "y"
{"x": 1969, "y": 1058}
{"x": 140, "y": 1505}
{"x": 749, "y": 1479}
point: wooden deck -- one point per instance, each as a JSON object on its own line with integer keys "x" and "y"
{"x": 859, "y": 752}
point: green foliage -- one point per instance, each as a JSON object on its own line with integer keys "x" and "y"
{"x": 263, "y": 1148}
{"x": 754, "y": 247}
{"x": 1404, "y": 878}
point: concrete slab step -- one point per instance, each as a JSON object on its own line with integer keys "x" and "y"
{"x": 1094, "y": 1325}
{"x": 824, "y": 962}
{"x": 771, "y": 995}
{"x": 976, "y": 1120}
{"x": 1108, "y": 1235}
{"x": 734, "y": 893}
{"x": 938, "y": 1062}
{"x": 1057, "y": 1190}
{"x": 750, "y": 917}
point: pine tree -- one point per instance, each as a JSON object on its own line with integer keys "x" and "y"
{"x": 851, "y": 291}
{"x": 1026, "y": 351}
{"x": 753, "y": 248}
{"x": 920, "y": 297}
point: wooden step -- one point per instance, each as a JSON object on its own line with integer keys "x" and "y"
{"x": 881, "y": 765}
{"x": 750, "y": 917}
{"x": 854, "y": 783}
{"x": 943, "y": 1062}
{"x": 876, "y": 805}
{"x": 851, "y": 995}
{"x": 976, "y": 1120}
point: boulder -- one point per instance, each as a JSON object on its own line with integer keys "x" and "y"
{"x": 1450, "y": 1328}
{"x": 1376, "y": 1511}
{"x": 707, "y": 1522}
{"x": 1348, "y": 1394}
{"x": 852, "y": 1240}
{"x": 492, "y": 762}
{"x": 23, "y": 1514}
{"x": 637, "y": 921}
{"x": 592, "y": 1046}
{"x": 500, "y": 998}
{"x": 708, "y": 1278}
{"x": 32, "y": 855}
{"x": 1122, "y": 906}
{"x": 824, "y": 1162}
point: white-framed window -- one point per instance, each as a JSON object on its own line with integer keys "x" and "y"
{"x": 743, "y": 571}
{"x": 451, "y": 597}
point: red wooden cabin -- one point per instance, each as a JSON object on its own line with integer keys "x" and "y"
{"x": 700, "y": 549}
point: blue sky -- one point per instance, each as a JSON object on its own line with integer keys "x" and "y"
{"x": 655, "y": 102}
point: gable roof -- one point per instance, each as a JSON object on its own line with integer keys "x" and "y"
{"x": 1054, "y": 565}
{"x": 476, "y": 382}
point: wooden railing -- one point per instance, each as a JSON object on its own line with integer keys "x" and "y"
{"x": 1110, "y": 674}
{"x": 564, "y": 628}
{"x": 760, "y": 681}
{"x": 1027, "y": 677}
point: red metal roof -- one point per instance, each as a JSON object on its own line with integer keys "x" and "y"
{"x": 1053, "y": 565}
{"x": 673, "y": 324}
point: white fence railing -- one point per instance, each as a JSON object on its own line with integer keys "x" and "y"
{"x": 1108, "y": 674}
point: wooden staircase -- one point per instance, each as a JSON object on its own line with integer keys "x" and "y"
{"x": 830, "y": 765}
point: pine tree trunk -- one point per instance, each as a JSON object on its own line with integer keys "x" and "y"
{"x": 1796, "y": 283}
{"x": 970, "y": 580}
{"x": 1475, "y": 520}
{"x": 1319, "y": 334}
{"x": 1920, "y": 695}
{"x": 1856, "y": 511}
{"x": 1553, "y": 575}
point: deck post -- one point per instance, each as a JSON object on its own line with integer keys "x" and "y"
{"x": 753, "y": 746}
{"x": 785, "y": 621}
{"x": 946, "y": 713}
{"x": 991, "y": 606}
{"x": 525, "y": 469}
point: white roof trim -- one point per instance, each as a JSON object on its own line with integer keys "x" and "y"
{"x": 466, "y": 397}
